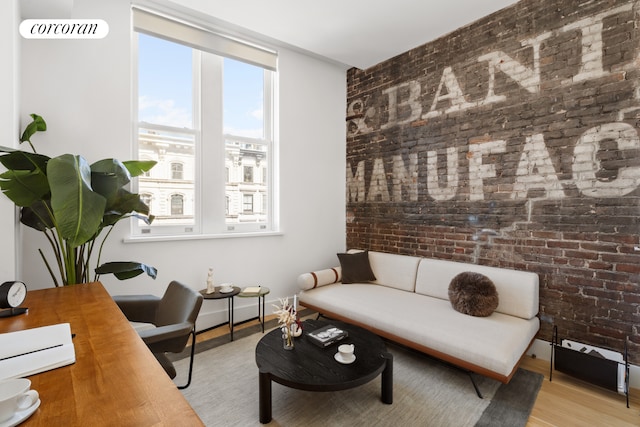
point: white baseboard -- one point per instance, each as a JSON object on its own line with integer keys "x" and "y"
{"x": 542, "y": 350}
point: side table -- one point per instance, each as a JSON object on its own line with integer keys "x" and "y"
{"x": 260, "y": 294}
{"x": 221, "y": 295}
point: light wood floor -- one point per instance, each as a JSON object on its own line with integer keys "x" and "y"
{"x": 566, "y": 402}
{"x": 563, "y": 402}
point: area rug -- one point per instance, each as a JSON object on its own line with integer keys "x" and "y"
{"x": 426, "y": 392}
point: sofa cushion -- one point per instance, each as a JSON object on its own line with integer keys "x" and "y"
{"x": 496, "y": 342}
{"x": 394, "y": 270}
{"x": 473, "y": 294}
{"x": 356, "y": 267}
{"x": 518, "y": 289}
{"x": 319, "y": 278}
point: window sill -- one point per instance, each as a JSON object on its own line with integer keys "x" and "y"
{"x": 165, "y": 238}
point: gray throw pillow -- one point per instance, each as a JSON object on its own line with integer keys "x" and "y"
{"x": 473, "y": 294}
{"x": 356, "y": 268}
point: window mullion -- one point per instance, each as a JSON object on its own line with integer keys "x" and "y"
{"x": 212, "y": 156}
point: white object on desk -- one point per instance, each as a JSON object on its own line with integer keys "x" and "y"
{"x": 31, "y": 351}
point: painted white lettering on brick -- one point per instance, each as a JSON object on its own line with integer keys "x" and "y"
{"x": 378, "y": 190}
{"x": 436, "y": 189}
{"x": 535, "y": 171}
{"x": 413, "y": 102}
{"x": 591, "y": 43}
{"x": 478, "y": 170}
{"x": 586, "y": 163}
{"x": 405, "y": 179}
{"x": 355, "y": 184}
{"x": 450, "y": 96}
{"x": 454, "y": 95}
{"x": 526, "y": 77}
{"x": 359, "y": 117}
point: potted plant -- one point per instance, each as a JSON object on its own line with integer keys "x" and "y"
{"x": 75, "y": 204}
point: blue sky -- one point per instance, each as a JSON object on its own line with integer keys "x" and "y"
{"x": 165, "y": 82}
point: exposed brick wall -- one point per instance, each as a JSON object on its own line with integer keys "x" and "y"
{"x": 525, "y": 123}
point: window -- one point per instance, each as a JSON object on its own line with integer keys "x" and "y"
{"x": 248, "y": 174}
{"x": 176, "y": 171}
{"x": 205, "y": 114}
{"x": 247, "y": 203}
{"x": 177, "y": 204}
{"x": 147, "y": 199}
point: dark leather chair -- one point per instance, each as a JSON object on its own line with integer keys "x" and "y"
{"x": 171, "y": 320}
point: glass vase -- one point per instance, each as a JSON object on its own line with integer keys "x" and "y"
{"x": 287, "y": 338}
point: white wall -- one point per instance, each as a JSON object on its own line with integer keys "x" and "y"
{"x": 82, "y": 89}
{"x": 9, "y": 81}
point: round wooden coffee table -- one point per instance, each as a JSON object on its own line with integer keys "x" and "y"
{"x": 310, "y": 367}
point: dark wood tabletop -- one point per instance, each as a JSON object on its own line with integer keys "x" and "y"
{"x": 310, "y": 367}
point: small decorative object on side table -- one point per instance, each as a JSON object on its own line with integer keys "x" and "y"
{"x": 211, "y": 287}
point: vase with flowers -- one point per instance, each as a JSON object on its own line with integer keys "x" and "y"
{"x": 288, "y": 318}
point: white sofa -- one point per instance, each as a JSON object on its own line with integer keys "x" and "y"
{"x": 408, "y": 303}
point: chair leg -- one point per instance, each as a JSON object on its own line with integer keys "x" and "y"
{"x": 193, "y": 352}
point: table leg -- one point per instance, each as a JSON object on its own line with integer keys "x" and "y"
{"x": 387, "y": 379}
{"x": 264, "y": 390}
{"x": 231, "y": 316}
{"x": 261, "y": 318}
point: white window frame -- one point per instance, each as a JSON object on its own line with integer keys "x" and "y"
{"x": 210, "y": 207}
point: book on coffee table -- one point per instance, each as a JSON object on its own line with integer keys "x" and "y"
{"x": 327, "y": 335}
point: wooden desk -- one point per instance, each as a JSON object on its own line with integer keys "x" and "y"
{"x": 115, "y": 380}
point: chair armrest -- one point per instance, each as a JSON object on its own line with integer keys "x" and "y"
{"x": 172, "y": 338}
{"x": 138, "y": 308}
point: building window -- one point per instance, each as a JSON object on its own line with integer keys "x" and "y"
{"x": 147, "y": 199}
{"x": 176, "y": 171}
{"x": 177, "y": 204}
{"x": 247, "y": 203}
{"x": 248, "y": 174}
{"x": 182, "y": 88}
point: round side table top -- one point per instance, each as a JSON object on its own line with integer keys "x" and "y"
{"x": 220, "y": 295}
{"x": 248, "y": 292}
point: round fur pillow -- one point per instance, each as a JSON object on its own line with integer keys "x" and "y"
{"x": 473, "y": 293}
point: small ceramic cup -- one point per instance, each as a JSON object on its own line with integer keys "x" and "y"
{"x": 15, "y": 396}
{"x": 346, "y": 351}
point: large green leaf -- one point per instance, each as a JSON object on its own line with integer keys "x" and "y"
{"x": 138, "y": 167}
{"x": 77, "y": 208}
{"x": 24, "y": 187}
{"x": 108, "y": 176}
{"x": 22, "y": 160}
{"x": 37, "y": 125}
{"x": 126, "y": 270}
{"x": 37, "y": 216}
{"x": 113, "y": 167}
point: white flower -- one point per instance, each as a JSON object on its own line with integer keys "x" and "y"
{"x": 286, "y": 313}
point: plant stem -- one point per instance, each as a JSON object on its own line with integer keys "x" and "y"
{"x": 55, "y": 281}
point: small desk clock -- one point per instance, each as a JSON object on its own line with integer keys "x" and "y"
{"x": 12, "y": 294}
